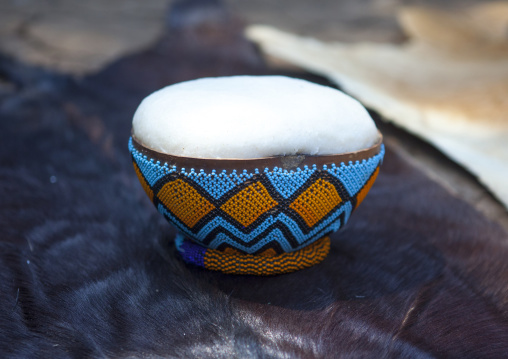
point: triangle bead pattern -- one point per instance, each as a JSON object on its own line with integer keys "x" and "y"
{"x": 217, "y": 185}
{"x": 354, "y": 175}
{"x": 287, "y": 183}
{"x": 266, "y": 210}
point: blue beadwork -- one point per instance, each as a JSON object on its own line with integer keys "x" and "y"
{"x": 287, "y": 183}
{"x": 283, "y": 228}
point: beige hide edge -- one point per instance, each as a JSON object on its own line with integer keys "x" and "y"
{"x": 448, "y": 84}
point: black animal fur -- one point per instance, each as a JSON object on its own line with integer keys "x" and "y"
{"x": 87, "y": 266}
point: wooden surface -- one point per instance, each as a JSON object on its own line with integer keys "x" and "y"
{"x": 88, "y": 268}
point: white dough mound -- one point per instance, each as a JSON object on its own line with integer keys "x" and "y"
{"x": 251, "y": 117}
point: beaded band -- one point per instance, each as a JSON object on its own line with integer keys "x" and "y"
{"x": 233, "y": 262}
{"x": 261, "y": 209}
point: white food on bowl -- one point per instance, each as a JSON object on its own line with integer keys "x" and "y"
{"x": 252, "y": 117}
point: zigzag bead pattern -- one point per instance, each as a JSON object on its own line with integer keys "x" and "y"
{"x": 252, "y": 212}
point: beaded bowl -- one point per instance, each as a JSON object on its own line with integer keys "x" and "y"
{"x": 256, "y": 216}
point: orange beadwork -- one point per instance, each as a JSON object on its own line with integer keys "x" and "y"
{"x": 250, "y": 203}
{"x": 363, "y": 192}
{"x": 229, "y": 262}
{"x": 184, "y": 202}
{"x": 270, "y": 252}
{"x": 316, "y": 202}
{"x": 142, "y": 180}
{"x": 262, "y": 221}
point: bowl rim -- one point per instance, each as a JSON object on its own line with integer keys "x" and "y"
{"x": 291, "y": 162}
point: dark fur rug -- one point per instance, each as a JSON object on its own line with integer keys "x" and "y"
{"x": 88, "y": 268}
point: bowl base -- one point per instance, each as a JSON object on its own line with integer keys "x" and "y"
{"x": 233, "y": 262}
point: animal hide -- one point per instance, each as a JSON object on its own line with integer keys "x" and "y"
{"x": 88, "y": 267}
{"x": 447, "y": 84}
